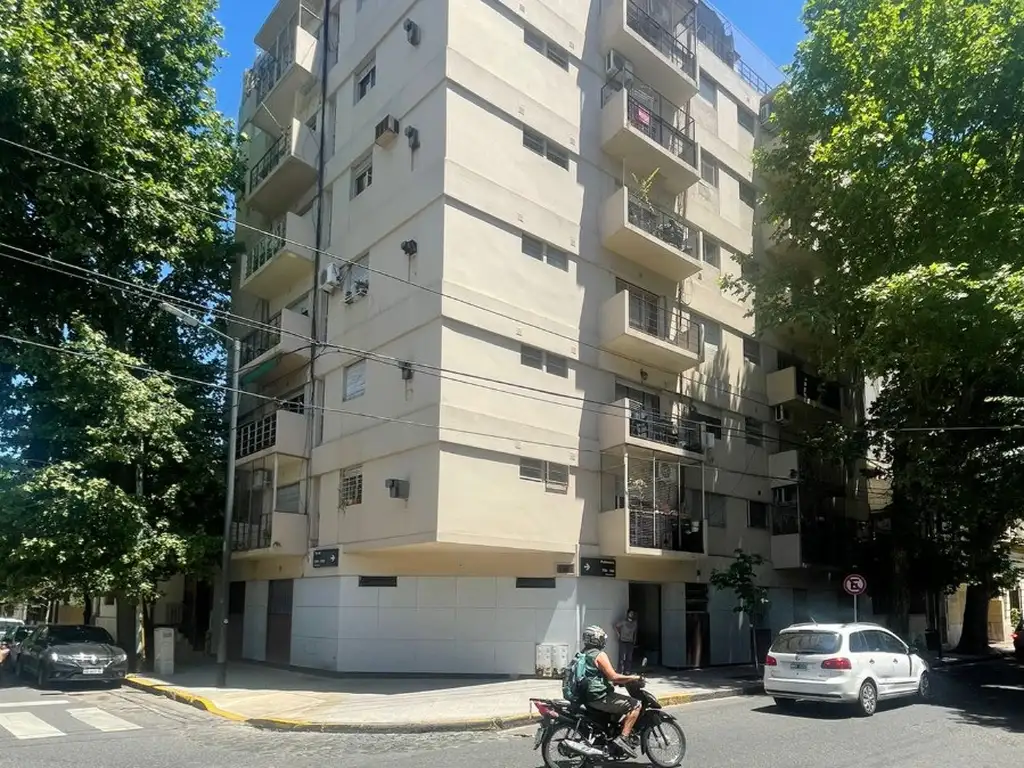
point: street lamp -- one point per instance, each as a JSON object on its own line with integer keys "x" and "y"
{"x": 229, "y": 492}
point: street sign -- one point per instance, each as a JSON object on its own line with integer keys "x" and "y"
{"x": 325, "y": 558}
{"x": 598, "y": 566}
{"x": 855, "y": 584}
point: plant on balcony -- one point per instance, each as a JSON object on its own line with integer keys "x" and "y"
{"x": 751, "y": 599}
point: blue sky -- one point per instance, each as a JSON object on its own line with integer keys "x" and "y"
{"x": 772, "y": 26}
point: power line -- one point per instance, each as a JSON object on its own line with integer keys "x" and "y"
{"x": 349, "y": 262}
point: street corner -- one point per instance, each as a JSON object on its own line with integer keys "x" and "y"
{"x": 157, "y": 688}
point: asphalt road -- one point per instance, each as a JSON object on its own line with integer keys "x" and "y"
{"x": 976, "y": 719}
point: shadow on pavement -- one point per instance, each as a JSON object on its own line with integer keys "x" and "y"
{"x": 989, "y": 694}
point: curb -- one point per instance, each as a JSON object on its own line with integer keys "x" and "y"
{"x": 442, "y": 726}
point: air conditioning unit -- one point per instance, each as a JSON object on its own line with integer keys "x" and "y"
{"x": 386, "y": 132}
{"x": 330, "y": 278}
{"x": 708, "y": 439}
{"x": 617, "y": 64}
{"x": 765, "y": 113}
{"x": 262, "y": 478}
{"x": 782, "y": 415}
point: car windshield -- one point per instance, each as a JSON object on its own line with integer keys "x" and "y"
{"x": 68, "y": 635}
{"x": 807, "y": 641}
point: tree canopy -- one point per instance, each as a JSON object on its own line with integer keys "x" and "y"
{"x": 897, "y": 163}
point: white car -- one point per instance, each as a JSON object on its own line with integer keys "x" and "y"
{"x": 859, "y": 664}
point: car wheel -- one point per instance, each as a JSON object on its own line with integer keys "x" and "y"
{"x": 867, "y": 699}
{"x": 784, "y": 703}
{"x": 924, "y": 687}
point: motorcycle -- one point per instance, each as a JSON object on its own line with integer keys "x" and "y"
{"x": 572, "y": 736}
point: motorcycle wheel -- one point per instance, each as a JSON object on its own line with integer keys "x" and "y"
{"x": 553, "y": 757}
{"x": 655, "y": 736}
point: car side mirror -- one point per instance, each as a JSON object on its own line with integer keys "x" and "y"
{"x": 912, "y": 649}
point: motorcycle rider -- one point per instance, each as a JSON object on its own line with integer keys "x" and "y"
{"x": 601, "y": 679}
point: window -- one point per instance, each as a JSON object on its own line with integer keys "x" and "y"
{"x": 534, "y": 583}
{"x": 712, "y": 330}
{"x": 711, "y": 252}
{"x": 808, "y": 641}
{"x": 378, "y": 581}
{"x": 541, "y": 251}
{"x": 541, "y": 44}
{"x": 534, "y": 142}
{"x": 757, "y": 515}
{"x": 362, "y": 176}
{"x": 709, "y": 168}
{"x": 355, "y": 380}
{"x": 754, "y": 431}
{"x": 366, "y": 78}
{"x": 714, "y": 509}
{"x": 350, "y": 491}
{"x": 748, "y": 195}
{"x": 554, "y": 476}
{"x": 713, "y": 424}
{"x": 357, "y": 279}
{"x": 289, "y": 499}
{"x": 752, "y": 350}
{"x": 708, "y": 89}
{"x": 746, "y": 119}
{"x": 548, "y": 362}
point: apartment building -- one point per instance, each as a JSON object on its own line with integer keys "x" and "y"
{"x": 531, "y": 404}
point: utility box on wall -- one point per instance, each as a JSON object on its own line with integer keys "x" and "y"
{"x": 552, "y": 659}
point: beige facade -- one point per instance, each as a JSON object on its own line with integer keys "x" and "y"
{"x": 526, "y": 359}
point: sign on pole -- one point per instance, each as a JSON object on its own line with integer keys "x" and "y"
{"x": 855, "y": 585}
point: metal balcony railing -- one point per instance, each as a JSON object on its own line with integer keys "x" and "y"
{"x": 261, "y": 340}
{"x": 268, "y": 69}
{"x": 662, "y": 40}
{"x": 725, "y": 49}
{"x": 671, "y": 530}
{"x": 654, "y": 116}
{"x": 658, "y": 222}
{"x": 647, "y": 315}
{"x": 247, "y": 535}
{"x": 265, "y": 249}
{"x": 256, "y": 435}
{"x": 665, "y": 429}
{"x": 270, "y": 160}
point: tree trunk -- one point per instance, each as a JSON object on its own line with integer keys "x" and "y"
{"x": 127, "y": 632}
{"x": 974, "y": 635}
{"x": 147, "y": 635}
{"x": 87, "y": 617}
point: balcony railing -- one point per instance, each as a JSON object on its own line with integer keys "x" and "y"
{"x": 266, "y": 248}
{"x": 261, "y": 340}
{"x": 661, "y": 39}
{"x": 648, "y": 316}
{"x": 818, "y": 390}
{"x": 268, "y": 69}
{"x": 270, "y": 160}
{"x": 654, "y": 116}
{"x": 662, "y": 428}
{"x": 659, "y": 223}
{"x": 247, "y": 535}
{"x": 671, "y": 530}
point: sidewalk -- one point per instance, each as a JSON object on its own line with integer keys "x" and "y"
{"x": 279, "y": 699}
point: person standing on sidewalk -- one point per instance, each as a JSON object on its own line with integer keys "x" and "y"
{"x": 626, "y": 631}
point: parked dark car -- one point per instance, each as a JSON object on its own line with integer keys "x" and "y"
{"x": 71, "y": 653}
{"x": 13, "y": 639}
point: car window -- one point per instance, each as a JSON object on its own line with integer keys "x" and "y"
{"x": 807, "y": 641}
{"x": 82, "y": 634}
{"x": 21, "y": 633}
{"x": 859, "y": 643}
{"x": 893, "y": 644}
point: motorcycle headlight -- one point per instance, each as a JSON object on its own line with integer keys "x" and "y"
{"x": 52, "y": 656}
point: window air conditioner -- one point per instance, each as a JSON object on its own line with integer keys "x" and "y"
{"x": 330, "y": 278}
{"x": 386, "y": 132}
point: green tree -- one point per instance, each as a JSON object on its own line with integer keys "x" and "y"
{"x": 896, "y": 160}
{"x": 751, "y": 598}
{"x": 119, "y": 87}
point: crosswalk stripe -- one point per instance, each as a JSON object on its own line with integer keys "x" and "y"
{"x": 25, "y": 704}
{"x": 101, "y": 721}
{"x": 25, "y": 725}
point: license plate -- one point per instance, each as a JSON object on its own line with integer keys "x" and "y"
{"x": 92, "y": 671}
{"x": 798, "y": 665}
{"x": 539, "y": 737}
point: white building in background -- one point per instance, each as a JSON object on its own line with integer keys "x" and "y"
{"x": 532, "y": 405}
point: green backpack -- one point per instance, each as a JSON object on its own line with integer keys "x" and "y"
{"x": 574, "y": 679}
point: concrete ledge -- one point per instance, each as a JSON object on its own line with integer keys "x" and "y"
{"x": 439, "y": 726}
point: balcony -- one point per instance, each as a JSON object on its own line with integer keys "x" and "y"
{"x": 657, "y": 45}
{"x": 644, "y": 532}
{"x": 647, "y": 235}
{"x": 286, "y": 170}
{"x": 792, "y": 387}
{"x": 275, "y": 261}
{"x": 627, "y": 425}
{"x": 634, "y": 326}
{"x": 281, "y": 433}
{"x": 270, "y": 86}
{"x": 784, "y": 468}
{"x": 281, "y": 348}
{"x": 648, "y": 132}
{"x": 804, "y": 539}
{"x": 787, "y": 468}
{"x": 273, "y": 534}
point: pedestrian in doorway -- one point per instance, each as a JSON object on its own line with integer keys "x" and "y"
{"x": 626, "y": 631}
